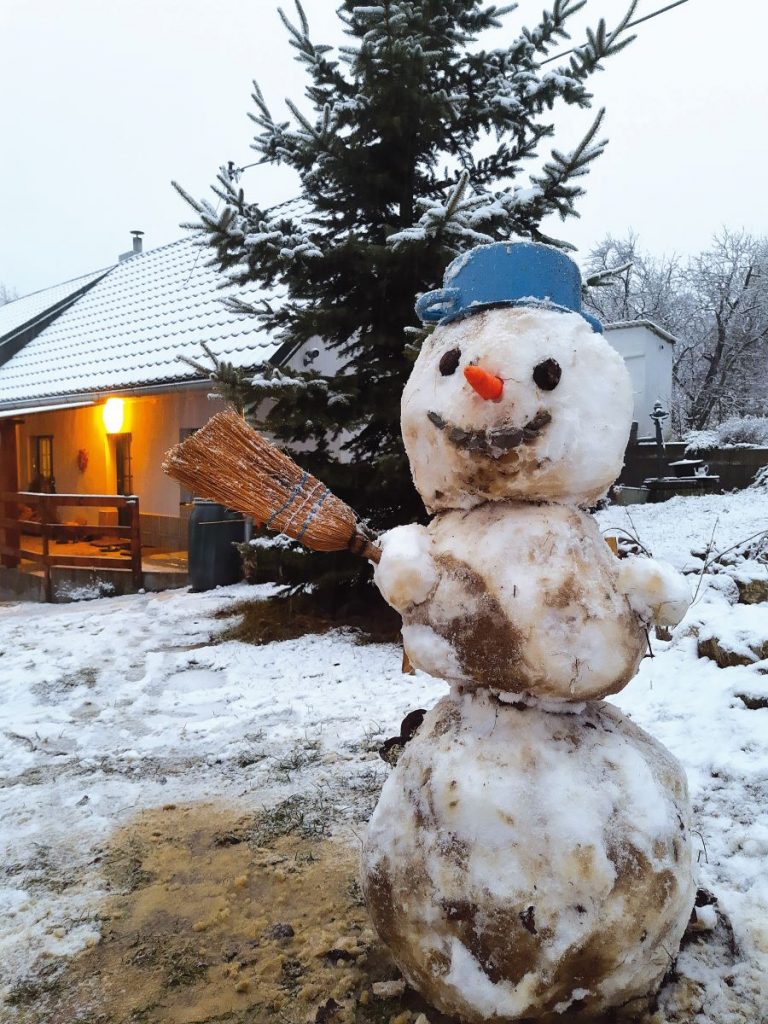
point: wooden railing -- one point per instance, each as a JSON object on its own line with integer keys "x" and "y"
{"x": 12, "y": 526}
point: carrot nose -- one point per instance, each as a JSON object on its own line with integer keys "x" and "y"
{"x": 486, "y": 384}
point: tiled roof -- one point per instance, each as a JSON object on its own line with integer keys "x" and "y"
{"x": 130, "y": 328}
{"x": 17, "y": 314}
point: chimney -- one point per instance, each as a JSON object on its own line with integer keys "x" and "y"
{"x": 137, "y": 247}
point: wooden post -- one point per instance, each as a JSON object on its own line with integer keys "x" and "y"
{"x": 9, "y": 481}
{"x": 45, "y": 534}
{"x": 135, "y": 524}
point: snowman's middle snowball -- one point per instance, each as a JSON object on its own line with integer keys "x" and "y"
{"x": 515, "y": 597}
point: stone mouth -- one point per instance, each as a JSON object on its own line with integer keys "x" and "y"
{"x": 494, "y": 442}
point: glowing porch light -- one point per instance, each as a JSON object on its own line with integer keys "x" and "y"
{"x": 112, "y": 413}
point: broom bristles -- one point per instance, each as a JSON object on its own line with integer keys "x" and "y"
{"x": 229, "y": 462}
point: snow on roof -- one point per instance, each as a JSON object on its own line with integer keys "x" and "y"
{"x": 130, "y": 328}
{"x": 21, "y": 312}
{"x": 665, "y": 335}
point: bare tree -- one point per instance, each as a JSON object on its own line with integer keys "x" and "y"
{"x": 628, "y": 284}
{"x": 720, "y": 368}
{"x": 6, "y": 294}
{"x": 715, "y": 304}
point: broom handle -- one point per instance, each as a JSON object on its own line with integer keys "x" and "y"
{"x": 364, "y": 547}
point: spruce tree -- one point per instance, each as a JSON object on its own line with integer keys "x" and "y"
{"x": 412, "y": 155}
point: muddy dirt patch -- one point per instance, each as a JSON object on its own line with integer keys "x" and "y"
{"x": 219, "y": 916}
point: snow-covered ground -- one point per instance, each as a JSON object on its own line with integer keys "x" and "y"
{"x": 111, "y": 706}
{"x": 697, "y": 710}
{"x": 114, "y": 705}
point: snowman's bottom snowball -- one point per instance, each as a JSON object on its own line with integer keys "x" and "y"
{"x": 522, "y": 863}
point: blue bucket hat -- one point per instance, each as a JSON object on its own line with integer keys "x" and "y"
{"x": 506, "y": 274}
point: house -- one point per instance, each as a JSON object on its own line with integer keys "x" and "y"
{"x": 93, "y": 392}
{"x": 648, "y": 352}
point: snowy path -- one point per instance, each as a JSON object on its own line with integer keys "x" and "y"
{"x": 115, "y": 705}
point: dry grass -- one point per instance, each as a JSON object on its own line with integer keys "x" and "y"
{"x": 287, "y": 618}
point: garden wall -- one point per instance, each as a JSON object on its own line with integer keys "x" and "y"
{"x": 736, "y": 467}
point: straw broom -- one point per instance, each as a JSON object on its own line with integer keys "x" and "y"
{"x": 229, "y": 462}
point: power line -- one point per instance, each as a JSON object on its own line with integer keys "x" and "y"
{"x": 647, "y": 17}
{"x": 631, "y": 24}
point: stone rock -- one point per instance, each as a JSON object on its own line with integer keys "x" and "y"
{"x": 754, "y": 591}
{"x": 388, "y": 989}
{"x": 753, "y": 702}
{"x": 716, "y": 650}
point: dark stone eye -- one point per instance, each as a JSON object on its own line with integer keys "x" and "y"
{"x": 547, "y": 374}
{"x": 449, "y": 361}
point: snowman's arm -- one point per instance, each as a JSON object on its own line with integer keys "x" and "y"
{"x": 656, "y": 591}
{"x": 406, "y": 574}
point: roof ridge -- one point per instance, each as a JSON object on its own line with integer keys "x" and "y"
{"x": 101, "y": 270}
{"x": 60, "y": 284}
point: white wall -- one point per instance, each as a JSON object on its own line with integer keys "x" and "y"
{"x": 315, "y": 355}
{"x": 154, "y": 423}
{"x": 649, "y": 360}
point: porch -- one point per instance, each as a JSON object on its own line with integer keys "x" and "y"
{"x": 47, "y": 555}
{"x": 78, "y": 541}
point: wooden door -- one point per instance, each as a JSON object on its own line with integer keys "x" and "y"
{"x": 124, "y": 474}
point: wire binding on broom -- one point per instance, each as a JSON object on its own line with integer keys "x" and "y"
{"x": 230, "y": 462}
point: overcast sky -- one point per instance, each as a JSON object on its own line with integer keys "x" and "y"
{"x": 105, "y": 101}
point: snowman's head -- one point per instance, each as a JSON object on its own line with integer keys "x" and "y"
{"x": 516, "y": 402}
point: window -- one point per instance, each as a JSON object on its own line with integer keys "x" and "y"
{"x": 42, "y": 463}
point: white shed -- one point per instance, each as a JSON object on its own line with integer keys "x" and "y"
{"x": 648, "y": 352}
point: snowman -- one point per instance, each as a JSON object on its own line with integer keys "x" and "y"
{"x": 529, "y": 856}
